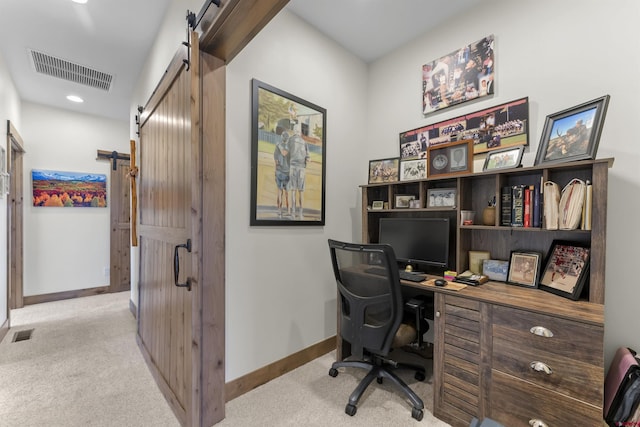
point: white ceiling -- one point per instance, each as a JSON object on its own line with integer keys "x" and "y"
{"x": 114, "y": 37}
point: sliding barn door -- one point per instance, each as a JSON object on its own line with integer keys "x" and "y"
{"x": 168, "y": 203}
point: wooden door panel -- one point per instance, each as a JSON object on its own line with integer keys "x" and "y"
{"x": 165, "y": 183}
{"x": 120, "y": 257}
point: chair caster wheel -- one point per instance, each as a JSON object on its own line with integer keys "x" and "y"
{"x": 351, "y": 409}
{"x": 420, "y": 376}
{"x": 333, "y": 372}
{"x": 417, "y": 414}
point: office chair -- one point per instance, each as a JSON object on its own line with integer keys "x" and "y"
{"x": 371, "y": 312}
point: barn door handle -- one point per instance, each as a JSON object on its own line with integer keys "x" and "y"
{"x": 176, "y": 266}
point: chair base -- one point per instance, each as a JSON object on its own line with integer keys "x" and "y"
{"x": 379, "y": 370}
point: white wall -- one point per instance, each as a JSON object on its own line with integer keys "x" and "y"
{"x": 280, "y": 293}
{"x": 559, "y": 54}
{"x": 9, "y": 110}
{"x": 66, "y": 248}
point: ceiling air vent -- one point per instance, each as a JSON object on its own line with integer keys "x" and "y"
{"x": 63, "y": 69}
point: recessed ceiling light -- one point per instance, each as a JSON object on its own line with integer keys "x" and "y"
{"x": 74, "y": 98}
{"x": 79, "y": 1}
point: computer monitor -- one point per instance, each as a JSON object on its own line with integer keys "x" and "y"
{"x": 421, "y": 241}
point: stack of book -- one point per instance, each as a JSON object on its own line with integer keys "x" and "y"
{"x": 521, "y": 206}
{"x": 538, "y": 205}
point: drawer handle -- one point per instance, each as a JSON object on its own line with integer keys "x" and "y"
{"x": 541, "y": 367}
{"x": 537, "y": 423}
{"x": 541, "y": 331}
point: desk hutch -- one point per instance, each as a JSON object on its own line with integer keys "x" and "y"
{"x": 489, "y": 339}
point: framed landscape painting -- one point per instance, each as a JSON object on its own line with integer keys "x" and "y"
{"x": 68, "y": 189}
{"x": 287, "y": 158}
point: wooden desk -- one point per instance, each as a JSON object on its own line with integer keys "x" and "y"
{"x": 485, "y": 342}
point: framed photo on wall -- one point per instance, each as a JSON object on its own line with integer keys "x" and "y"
{"x": 566, "y": 269}
{"x": 454, "y": 158}
{"x": 288, "y": 158}
{"x": 572, "y": 134}
{"x": 460, "y": 76}
{"x": 493, "y": 128}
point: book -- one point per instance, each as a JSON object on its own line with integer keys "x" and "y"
{"x": 517, "y": 203}
{"x": 527, "y": 207}
{"x": 550, "y": 205}
{"x": 588, "y": 206}
{"x": 570, "y": 206}
{"x": 536, "y": 207}
{"x": 505, "y": 206}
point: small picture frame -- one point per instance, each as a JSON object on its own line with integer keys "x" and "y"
{"x": 415, "y": 204}
{"x": 524, "y": 268}
{"x": 403, "y": 201}
{"x": 384, "y": 170}
{"x": 453, "y": 158}
{"x": 566, "y": 269}
{"x": 495, "y": 269}
{"x": 506, "y": 158}
{"x": 413, "y": 169}
{"x": 572, "y": 134}
{"x": 441, "y": 197}
{"x": 377, "y": 205}
{"x": 476, "y": 259}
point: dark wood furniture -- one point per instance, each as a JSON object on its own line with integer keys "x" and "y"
{"x": 511, "y": 353}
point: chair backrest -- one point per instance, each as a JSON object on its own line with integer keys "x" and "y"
{"x": 370, "y": 304}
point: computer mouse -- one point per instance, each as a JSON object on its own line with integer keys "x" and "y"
{"x": 440, "y": 282}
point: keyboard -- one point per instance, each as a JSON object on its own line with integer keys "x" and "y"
{"x": 404, "y": 275}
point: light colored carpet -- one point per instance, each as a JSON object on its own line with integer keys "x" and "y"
{"x": 82, "y": 367}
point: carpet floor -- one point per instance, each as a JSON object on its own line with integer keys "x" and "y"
{"x": 82, "y": 367}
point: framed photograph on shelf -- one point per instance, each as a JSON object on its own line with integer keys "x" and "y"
{"x": 495, "y": 269}
{"x": 288, "y": 159}
{"x": 377, "y": 205}
{"x": 524, "y": 268}
{"x": 441, "y": 197}
{"x": 454, "y": 158}
{"x": 566, "y": 269}
{"x": 413, "y": 169}
{"x": 506, "y": 158}
{"x": 384, "y": 170}
{"x": 572, "y": 134}
{"x": 403, "y": 201}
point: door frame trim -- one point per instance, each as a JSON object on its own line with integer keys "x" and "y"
{"x": 15, "y": 225}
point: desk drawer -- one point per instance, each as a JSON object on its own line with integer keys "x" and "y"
{"x": 572, "y": 339}
{"x": 561, "y": 374}
{"x": 515, "y": 402}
